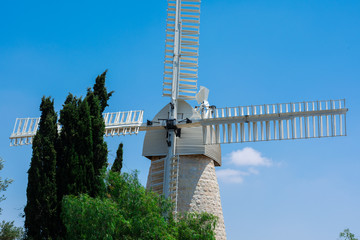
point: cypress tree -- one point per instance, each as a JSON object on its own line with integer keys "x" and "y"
{"x": 87, "y": 181}
{"x": 97, "y": 100}
{"x": 82, "y": 151}
{"x": 99, "y": 146}
{"x": 40, "y": 210}
{"x": 118, "y": 163}
{"x": 101, "y": 92}
{"x": 75, "y": 171}
{"x": 68, "y": 166}
{"x": 75, "y": 168}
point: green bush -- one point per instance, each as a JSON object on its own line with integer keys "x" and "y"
{"x": 129, "y": 211}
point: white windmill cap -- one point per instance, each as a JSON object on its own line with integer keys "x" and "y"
{"x": 202, "y": 95}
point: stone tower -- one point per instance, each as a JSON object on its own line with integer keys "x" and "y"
{"x": 197, "y": 188}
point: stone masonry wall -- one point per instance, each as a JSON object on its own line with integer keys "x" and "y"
{"x": 199, "y": 190}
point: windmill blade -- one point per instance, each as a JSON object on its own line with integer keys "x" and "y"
{"x": 268, "y": 122}
{"x": 116, "y": 124}
{"x": 123, "y": 123}
{"x": 185, "y": 44}
{"x": 24, "y": 131}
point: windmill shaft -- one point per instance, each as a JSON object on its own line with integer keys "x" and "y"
{"x": 176, "y": 59}
{"x": 173, "y": 106}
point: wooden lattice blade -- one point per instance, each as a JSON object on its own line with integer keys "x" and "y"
{"x": 116, "y": 124}
{"x": 268, "y": 122}
{"x": 189, "y": 48}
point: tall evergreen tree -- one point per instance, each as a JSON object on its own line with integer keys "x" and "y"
{"x": 118, "y": 163}
{"x": 97, "y": 99}
{"x": 75, "y": 169}
{"x": 40, "y": 210}
{"x": 84, "y": 146}
{"x": 82, "y": 151}
{"x": 68, "y": 166}
{"x": 101, "y": 92}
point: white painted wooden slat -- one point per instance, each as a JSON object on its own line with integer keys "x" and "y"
{"x": 236, "y": 132}
{"x": 268, "y": 136}
{"x": 248, "y": 126}
{"x": 278, "y": 121}
{"x": 217, "y": 134}
{"x": 242, "y": 131}
{"x": 255, "y": 129}
{"x": 314, "y": 126}
{"x": 275, "y": 132}
{"x": 223, "y": 133}
{"x": 230, "y": 133}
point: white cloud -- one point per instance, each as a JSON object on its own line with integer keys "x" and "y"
{"x": 230, "y": 175}
{"x": 253, "y": 171}
{"x": 248, "y": 157}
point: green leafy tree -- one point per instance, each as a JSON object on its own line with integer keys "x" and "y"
{"x": 196, "y": 226}
{"x": 10, "y": 232}
{"x": 118, "y": 163}
{"x": 40, "y": 210}
{"x": 347, "y": 235}
{"x": 3, "y": 183}
{"x": 143, "y": 209}
{"x": 7, "y": 229}
{"x": 103, "y": 219}
{"x": 129, "y": 211}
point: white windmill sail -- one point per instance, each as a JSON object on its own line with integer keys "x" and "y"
{"x": 24, "y": 131}
{"x": 189, "y": 48}
{"x": 123, "y": 123}
{"x": 268, "y": 122}
{"x": 116, "y": 124}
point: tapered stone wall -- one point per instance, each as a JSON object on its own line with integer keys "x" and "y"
{"x": 198, "y": 189}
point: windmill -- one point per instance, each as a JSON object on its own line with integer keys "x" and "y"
{"x": 183, "y": 142}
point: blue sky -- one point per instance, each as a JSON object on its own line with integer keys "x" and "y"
{"x": 251, "y": 52}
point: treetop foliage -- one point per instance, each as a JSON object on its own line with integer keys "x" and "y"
{"x": 100, "y": 91}
{"x": 118, "y": 162}
{"x": 347, "y": 235}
